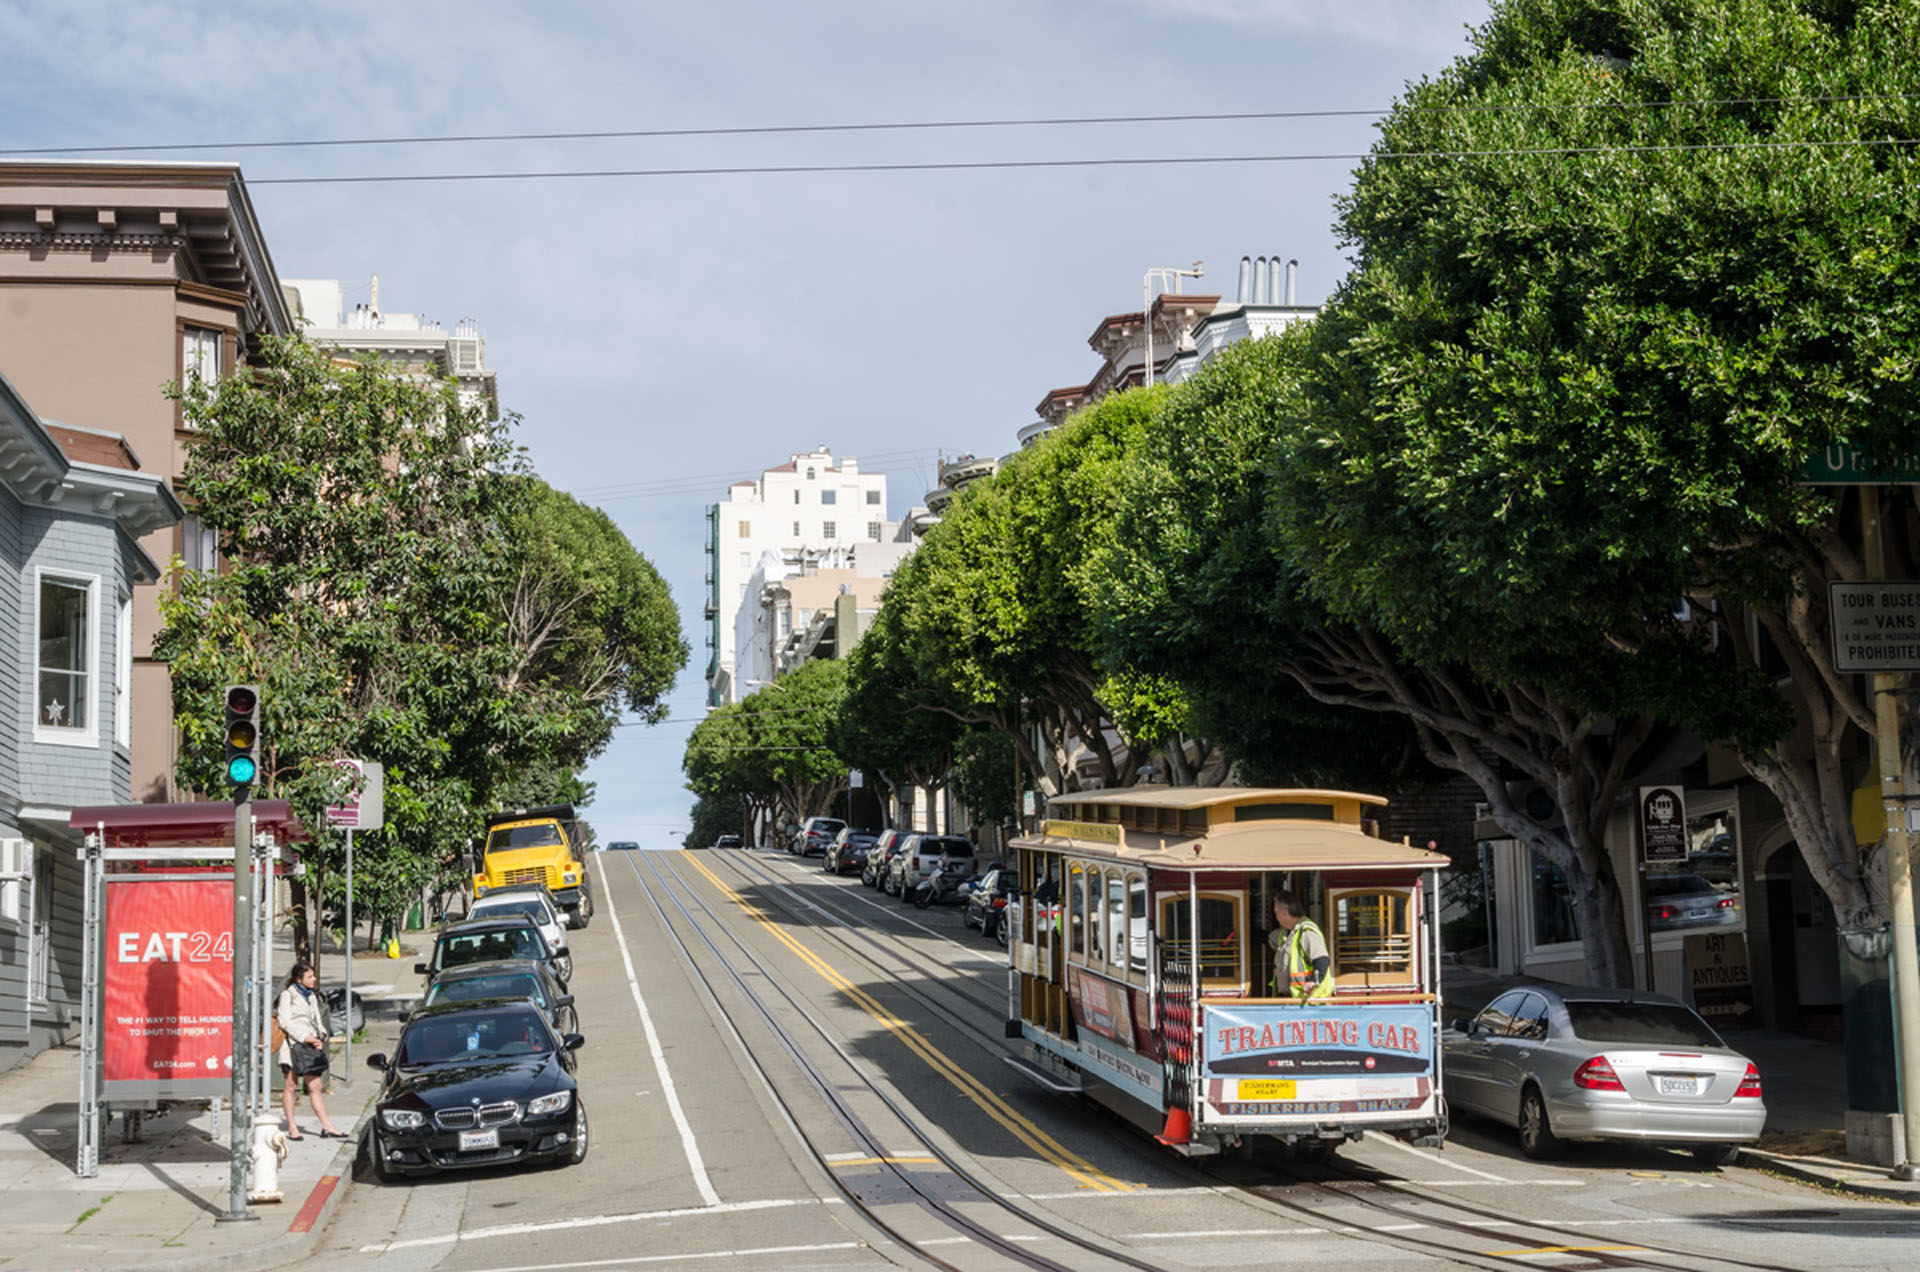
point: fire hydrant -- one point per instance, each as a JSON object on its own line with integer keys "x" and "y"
{"x": 268, "y": 1147}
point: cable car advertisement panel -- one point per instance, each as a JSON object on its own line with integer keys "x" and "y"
{"x": 1263, "y": 1061}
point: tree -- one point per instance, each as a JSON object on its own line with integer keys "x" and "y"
{"x": 1622, "y": 270}
{"x": 880, "y": 730}
{"x": 773, "y": 749}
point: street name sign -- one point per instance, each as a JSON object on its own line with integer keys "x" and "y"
{"x": 1876, "y": 626}
{"x": 1842, "y": 464}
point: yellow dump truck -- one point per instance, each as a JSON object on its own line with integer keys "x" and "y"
{"x": 544, "y": 845}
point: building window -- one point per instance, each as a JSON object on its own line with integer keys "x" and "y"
{"x": 827, "y": 530}
{"x": 199, "y": 356}
{"x": 63, "y": 678}
{"x": 873, "y": 531}
{"x": 746, "y": 529}
{"x": 873, "y": 496}
{"x": 809, "y": 474}
{"x": 829, "y": 496}
{"x": 123, "y": 675}
{"x": 796, "y": 529}
{"x": 796, "y": 496}
{"x": 199, "y": 546}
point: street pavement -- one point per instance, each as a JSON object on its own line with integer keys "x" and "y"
{"x": 156, "y": 1202}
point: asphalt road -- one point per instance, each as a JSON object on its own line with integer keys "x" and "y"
{"x": 789, "y": 1070}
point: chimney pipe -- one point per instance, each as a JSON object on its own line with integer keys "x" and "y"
{"x": 1246, "y": 268}
{"x": 1273, "y": 280}
{"x": 1293, "y": 274}
{"x": 1259, "y": 280}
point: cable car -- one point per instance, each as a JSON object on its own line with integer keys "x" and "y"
{"x": 1141, "y": 971}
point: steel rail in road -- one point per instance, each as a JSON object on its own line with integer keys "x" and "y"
{"x": 1567, "y": 1242}
{"x": 927, "y": 1198}
{"x": 751, "y": 866}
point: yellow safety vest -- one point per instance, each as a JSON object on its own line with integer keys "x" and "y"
{"x": 1300, "y": 982}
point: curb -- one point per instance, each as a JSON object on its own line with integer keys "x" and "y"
{"x": 1794, "y": 1168}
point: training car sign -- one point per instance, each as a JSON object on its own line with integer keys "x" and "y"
{"x": 1272, "y": 1061}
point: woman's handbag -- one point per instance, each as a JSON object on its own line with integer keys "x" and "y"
{"x": 309, "y": 1061}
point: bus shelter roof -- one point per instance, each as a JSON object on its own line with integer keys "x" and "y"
{"x": 208, "y": 824}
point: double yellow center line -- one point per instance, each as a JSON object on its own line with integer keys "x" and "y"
{"x": 1089, "y": 1175}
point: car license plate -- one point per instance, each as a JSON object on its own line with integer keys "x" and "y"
{"x": 1267, "y": 1089}
{"x": 472, "y": 1140}
{"x": 1678, "y": 1084}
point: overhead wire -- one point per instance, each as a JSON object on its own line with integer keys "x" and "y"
{"x": 926, "y": 125}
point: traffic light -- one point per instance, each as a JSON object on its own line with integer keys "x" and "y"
{"x": 242, "y": 737}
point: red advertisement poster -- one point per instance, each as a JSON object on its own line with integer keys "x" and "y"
{"x": 168, "y": 990}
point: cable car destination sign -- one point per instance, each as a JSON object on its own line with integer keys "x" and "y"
{"x": 1876, "y": 626}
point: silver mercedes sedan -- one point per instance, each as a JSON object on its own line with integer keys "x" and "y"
{"x": 1571, "y": 1063}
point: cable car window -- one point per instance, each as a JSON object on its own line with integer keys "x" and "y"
{"x": 1372, "y": 936}
{"x": 1137, "y": 925}
{"x": 1116, "y": 928}
{"x": 1076, "y": 911}
{"x": 1096, "y": 945}
{"x": 1219, "y": 934}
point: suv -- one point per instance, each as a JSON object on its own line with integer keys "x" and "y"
{"x": 924, "y": 856}
{"x": 495, "y": 940}
{"x": 873, "y": 872}
{"x": 815, "y": 834}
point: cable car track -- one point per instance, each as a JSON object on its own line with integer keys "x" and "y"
{"x": 928, "y": 1199}
{"x": 1583, "y": 1245}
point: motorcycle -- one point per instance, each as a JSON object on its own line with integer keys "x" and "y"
{"x": 945, "y": 884}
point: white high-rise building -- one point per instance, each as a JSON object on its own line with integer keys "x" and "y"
{"x": 812, "y": 510}
{"x": 407, "y": 341}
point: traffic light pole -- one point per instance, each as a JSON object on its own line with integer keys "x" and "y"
{"x": 241, "y": 1121}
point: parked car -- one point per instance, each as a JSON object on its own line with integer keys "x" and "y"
{"x": 490, "y": 941}
{"x": 1688, "y": 901}
{"x": 1564, "y": 1063}
{"x": 874, "y": 872}
{"x": 922, "y": 856}
{"x": 814, "y": 835}
{"x": 476, "y": 1084}
{"x": 623, "y": 845}
{"x": 987, "y": 903}
{"x": 534, "y": 901}
{"x": 517, "y": 978}
{"x": 848, "y": 851}
{"x": 727, "y": 841}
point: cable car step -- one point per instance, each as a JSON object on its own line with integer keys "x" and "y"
{"x": 1066, "y": 1084}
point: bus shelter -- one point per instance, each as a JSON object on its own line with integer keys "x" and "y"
{"x": 158, "y": 993}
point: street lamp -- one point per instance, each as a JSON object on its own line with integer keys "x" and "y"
{"x": 1169, "y": 277}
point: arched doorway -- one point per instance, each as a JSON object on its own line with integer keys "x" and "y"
{"x": 1803, "y": 960}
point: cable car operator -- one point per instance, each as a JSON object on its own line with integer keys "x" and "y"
{"x": 1300, "y": 947}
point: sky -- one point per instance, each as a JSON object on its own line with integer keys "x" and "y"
{"x": 661, "y": 336}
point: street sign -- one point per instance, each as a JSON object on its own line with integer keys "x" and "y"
{"x": 1876, "y": 626}
{"x": 1663, "y": 824}
{"x": 1721, "y": 980}
{"x": 359, "y": 801}
{"x": 1844, "y": 465}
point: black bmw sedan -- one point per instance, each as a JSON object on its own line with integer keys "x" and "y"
{"x": 476, "y": 1084}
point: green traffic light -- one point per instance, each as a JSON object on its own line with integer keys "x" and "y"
{"x": 241, "y": 769}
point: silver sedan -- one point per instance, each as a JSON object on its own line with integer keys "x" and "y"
{"x": 1566, "y": 1063}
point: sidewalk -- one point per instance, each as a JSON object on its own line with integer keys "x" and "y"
{"x": 1805, "y": 1089}
{"x": 155, "y": 1201}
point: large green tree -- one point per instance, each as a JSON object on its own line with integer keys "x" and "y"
{"x": 774, "y": 749}
{"x": 1621, "y": 270}
{"x": 373, "y": 534}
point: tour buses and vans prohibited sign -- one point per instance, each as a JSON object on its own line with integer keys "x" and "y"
{"x": 1876, "y": 626}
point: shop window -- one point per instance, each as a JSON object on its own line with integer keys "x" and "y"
{"x": 1701, "y": 894}
{"x": 1554, "y": 921}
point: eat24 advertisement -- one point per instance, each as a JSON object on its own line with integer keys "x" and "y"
{"x": 167, "y": 992}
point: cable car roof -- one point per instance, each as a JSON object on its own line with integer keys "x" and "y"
{"x": 1199, "y": 827}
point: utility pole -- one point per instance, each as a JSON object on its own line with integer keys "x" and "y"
{"x": 1889, "y": 691}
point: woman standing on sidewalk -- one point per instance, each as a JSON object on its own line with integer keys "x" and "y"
{"x": 303, "y": 1018}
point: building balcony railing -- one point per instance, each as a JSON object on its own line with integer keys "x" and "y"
{"x": 955, "y": 473}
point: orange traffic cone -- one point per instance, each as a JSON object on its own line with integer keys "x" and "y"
{"x": 1179, "y": 1128}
